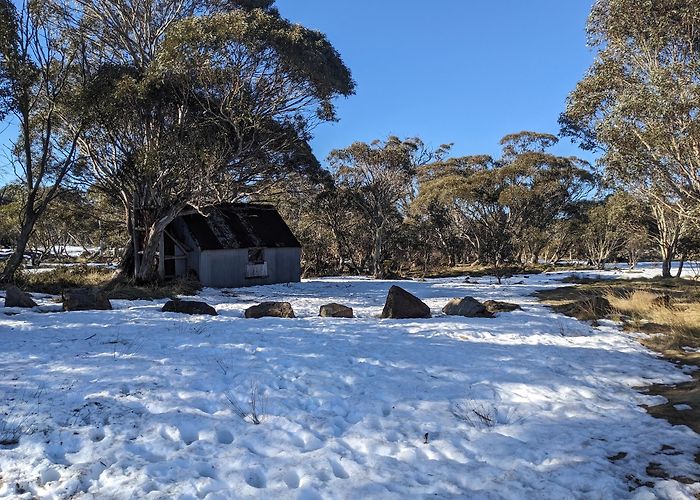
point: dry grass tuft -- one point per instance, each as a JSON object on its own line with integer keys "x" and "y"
{"x": 667, "y": 309}
{"x": 636, "y": 303}
{"x": 126, "y": 290}
{"x": 55, "y": 281}
{"x": 652, "y": 313}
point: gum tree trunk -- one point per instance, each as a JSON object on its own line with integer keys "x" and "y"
{"x": 12, "y": 264}
{"x": 377, "y": 254}
{"x": 146, "y": 247}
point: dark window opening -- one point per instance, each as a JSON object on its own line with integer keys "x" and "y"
{"x": 256, "y": 255}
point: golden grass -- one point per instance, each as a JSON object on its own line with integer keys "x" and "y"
{"x": 473, "y": 271}
{"x": 636, "y": 303}
{"x": 55, "y": 281}
{"x": 667, "y": 309}
{"x": 678, "y": 325}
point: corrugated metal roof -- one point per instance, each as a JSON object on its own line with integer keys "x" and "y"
{"x": 239, "y": 225}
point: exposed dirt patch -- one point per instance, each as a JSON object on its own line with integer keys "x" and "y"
{"x": 686, "y": 394}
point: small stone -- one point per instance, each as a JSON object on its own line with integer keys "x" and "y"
{"x": 270, "y": 309}
{"x": 189, "y": 307}
{"x": 496, "y": 306}
{"x": 334, "y": 310}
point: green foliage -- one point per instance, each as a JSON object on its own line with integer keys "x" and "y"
{"x": 639, "y": 100}
{"x": 204, "y": 102}
{"x": 236, "y": 42}
{"x": 508, "y": 209}
{"x": 75, "y": 218}
{"x": 17, "y": 72}
{"x": 377, "y": 180}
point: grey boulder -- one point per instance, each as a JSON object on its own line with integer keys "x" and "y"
{"x": 402, "y": 305}
{"x": 270, "y": 309}
{"x": 468, "y": 307}
{"x": 85, "y": 299}
{"x": 189, "y": 307}
{"x": 334, "y": 310}
{"x": 14, "y": 297}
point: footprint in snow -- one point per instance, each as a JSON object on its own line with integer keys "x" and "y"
{"x": 256, "y": 478}
{"x": 338, "y": 470}
{"x": 309, "y": 494}
{"x": 224, "y": 436}
{"x": 168, "y": 432}
{"x": 97, "y": 434}
{"x": 393, "y": 436}
{"x": 56, "y": 454}
{"x": 309, "y": 442}
{"x": 188, "y": 434}
{"x": 386, "y": 409}
{"x": 48, "y": 476}
{"x": 206, "y": 470}
{"x": 296, "y": 439}
{"x": 291, "y": 479}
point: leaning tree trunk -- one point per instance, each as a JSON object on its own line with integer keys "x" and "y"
{"x": 15, "y": 261}
{"x": 681, "y": 263}
{"x": 127, "y": 261}
{"x": 146, "y": 249}
{"x": 146, "y": 266}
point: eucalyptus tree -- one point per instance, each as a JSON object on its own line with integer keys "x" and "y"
{"x": 38, "y": 68}
{"x": 379, "y": 179}
{"x": 194, "y": 102}
{"x": 639, "y": 100}
{"x": 602, "y": 235}
{"x": 510, "y": 208}
{"x": 449, "y": 182}
{"x": 670, "y": 224}
{"x": 540, "y": 189}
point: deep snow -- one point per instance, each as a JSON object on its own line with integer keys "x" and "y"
{"x": 134, "y": 403}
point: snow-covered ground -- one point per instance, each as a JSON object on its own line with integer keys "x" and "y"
{"x": 136, "y": 403}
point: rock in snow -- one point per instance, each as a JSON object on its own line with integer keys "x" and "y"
{"x": 188, "y": 307}
{"x": 401, "y": 304}
{"x": 270, "y": 309}
{"x": 334, "y": 310}
{"x": 468, "y": 307}
{"x": 85, "y": 299}
{"x": 14, "y": 297}
{"x": 496, "y": 306}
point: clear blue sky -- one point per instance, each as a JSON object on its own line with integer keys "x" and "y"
{"x": 461, "y": 71}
